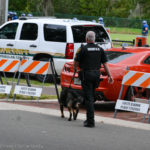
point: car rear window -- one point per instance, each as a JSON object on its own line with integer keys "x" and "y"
{"x": 79, "y": 33}
{"x": 55, "y": 33}
{"x": 115, "y": 57}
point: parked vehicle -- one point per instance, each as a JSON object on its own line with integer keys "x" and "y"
{"x": 135, "y": 58}
{"x": 41, "y": 38}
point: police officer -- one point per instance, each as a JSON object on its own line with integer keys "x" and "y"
{"x": 145, "y": 28}
{"x": 14, "y": 16}
{"x": 89, "y": 59}
{"x": 101, "y": 21}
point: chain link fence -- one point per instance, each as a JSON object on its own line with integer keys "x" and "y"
{"x": 109, "y": 21}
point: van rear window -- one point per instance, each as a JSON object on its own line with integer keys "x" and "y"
{"x": 55, "y": 33}
{"x": 79, "y": 33}
{"x": 116, "y": 57}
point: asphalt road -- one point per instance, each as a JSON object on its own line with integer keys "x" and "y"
{"x": 22, "y": 130}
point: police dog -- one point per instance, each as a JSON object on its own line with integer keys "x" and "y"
{"x": 70, "y": 99}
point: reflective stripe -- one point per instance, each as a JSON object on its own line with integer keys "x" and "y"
{"x": 139, "y": 79}
{"x": 35, "y": 67}
{"x": 9, "y": 65}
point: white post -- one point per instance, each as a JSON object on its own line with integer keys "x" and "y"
{"x": 6, "y": 10}
{"x": 3, "y": 11}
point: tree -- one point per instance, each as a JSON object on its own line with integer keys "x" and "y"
{"x": 67, "y": 6}
{"x": 45, "y": 7}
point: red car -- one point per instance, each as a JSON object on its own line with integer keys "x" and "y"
{"x": 119, "y": 59}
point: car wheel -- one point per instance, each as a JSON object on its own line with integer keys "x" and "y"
{"x": 49, "y": 77}
{"x": 138, "y": 92}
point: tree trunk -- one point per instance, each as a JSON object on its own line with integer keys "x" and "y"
{"x": 48, "y": 9}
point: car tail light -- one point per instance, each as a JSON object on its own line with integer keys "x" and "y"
{"x": 103, "y": 72}
{"x": 69, "y": 51}
{"x": 66, "y": 69}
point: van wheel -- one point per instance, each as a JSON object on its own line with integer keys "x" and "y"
{"x": 49, "y": 77}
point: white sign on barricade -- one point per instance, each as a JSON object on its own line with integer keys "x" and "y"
{"x": 137, "y": 79}
{"x": 29, "y": 91}
{"x": 27, "y": 67}
{"x": 132, "y": 106}
{"x": 5, "y": 89}
{"x": 31, "y": 67}
{"x": 8, "y": 65}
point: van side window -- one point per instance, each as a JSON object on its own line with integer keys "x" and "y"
{"x": 8, "y": 31}
{"x": 29, "y": 31}
{"x": 147, "y": 60}
{"x": 56, "y": 33}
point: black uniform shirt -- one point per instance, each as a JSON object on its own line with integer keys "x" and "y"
{"x": 90, "y": 57}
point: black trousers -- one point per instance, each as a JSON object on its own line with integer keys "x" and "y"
{"x": 89, "y": 82}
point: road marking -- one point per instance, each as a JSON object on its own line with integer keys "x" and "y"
{"x": 98, "y": 119}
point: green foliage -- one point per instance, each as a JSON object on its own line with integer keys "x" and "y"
{"x": 107, "y": 8}
{"x": 66, "y": 6}
{"x": 17, "y": 5}
{"x": 24, "y": 5}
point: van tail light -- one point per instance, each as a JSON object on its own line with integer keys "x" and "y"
{"x": 69, "y": 51}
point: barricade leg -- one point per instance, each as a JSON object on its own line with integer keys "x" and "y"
{"x": 42, "y": 86}
{"x": 122, "y": 86}
{"x": 132, "y": 92}
{"x": 1, "y": 79}
{"x": 149, "y": 110}
{"x": 149, "y": 118}
{"x": 27, "y": 79}
{"x": 14, "y": 97}
{"x": 5, "y": 78}
{"x": 54, "y": 78}
{"x": 144, "y": 118}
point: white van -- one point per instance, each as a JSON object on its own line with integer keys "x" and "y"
{"x": 39, "y": 38}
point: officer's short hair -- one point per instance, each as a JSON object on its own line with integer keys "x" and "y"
{"x": 90, "y": 35}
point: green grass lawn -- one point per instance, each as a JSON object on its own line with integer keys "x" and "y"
{"x": 23, "y": 81}
{"x": 126, "y": 34}
{"x": 33, "y": 83}
{"x": 125, "y": 30}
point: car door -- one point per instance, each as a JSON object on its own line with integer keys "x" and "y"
{"x": 28, "y": 40}
{"x": 145, "y": 66}
{"x": 8, "y": 38}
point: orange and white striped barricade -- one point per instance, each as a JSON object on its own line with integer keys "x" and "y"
{"x": 31, "y": 67}
{"x": 137, "y": 79}
{"x": 11, "y": 66}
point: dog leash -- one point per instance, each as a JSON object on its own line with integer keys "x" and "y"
{"x": 72, "y": 79}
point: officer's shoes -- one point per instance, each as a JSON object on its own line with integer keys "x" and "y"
{"x": 87, "y": 124}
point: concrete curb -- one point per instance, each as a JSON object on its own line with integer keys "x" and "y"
{"x": 98, "y": 119}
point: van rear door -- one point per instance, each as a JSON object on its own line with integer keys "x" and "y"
{"x": 79, "y": 33}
